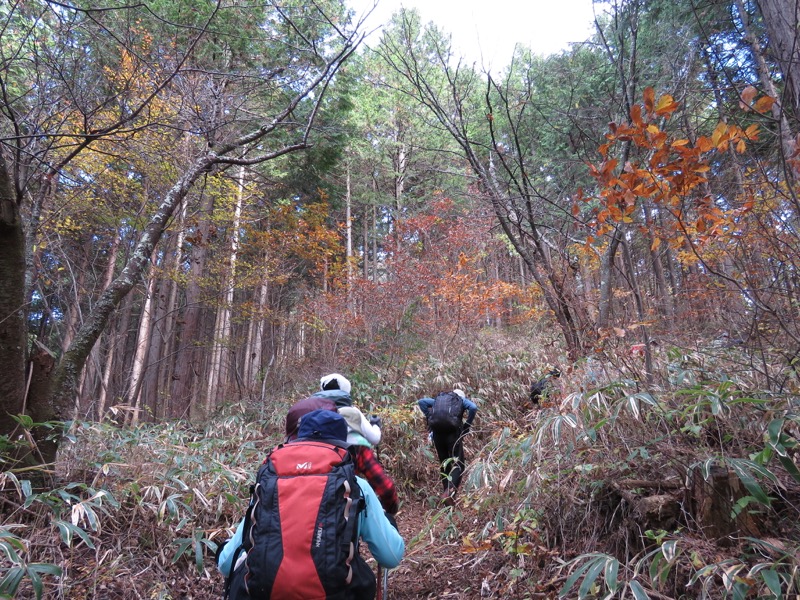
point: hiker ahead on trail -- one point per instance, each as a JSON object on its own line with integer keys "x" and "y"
{"x": 307, "y": 512}
{"x": 446, "y": 426}
{"x": 363, "y": 433}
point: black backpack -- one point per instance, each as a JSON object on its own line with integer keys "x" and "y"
{"x": 445, "y": 415}
{"x": 300, "y": 537}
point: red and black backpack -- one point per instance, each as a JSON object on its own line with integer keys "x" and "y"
{"x": 300, "y": 537}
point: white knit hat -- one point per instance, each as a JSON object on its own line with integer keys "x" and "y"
{"x": 334, "y": 381}
{"x": 460, "y": 393}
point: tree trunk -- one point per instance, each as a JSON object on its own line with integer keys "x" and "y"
{"x": 255, "y": 336}
{"x": 102, "y": 396}
{"x": 375, "y": 262}
{"x": 218, "y": 372}
{"x": 365, "y": 245}
{"x": 663, "y": 294}
{"x": 187, "y": 354}
{"x": 785, "y": 133}
{"x": 133, "y": 396}
{"x": 607, "y": 270}
{"x": 67, "y": 374}
{"x": 782, "y": 18}
{"x": 349, "y": 249}
{"x": 12, "y": 302}
{"x": 640, "y": 312}
{"x": 172, "y": 312}
{"x": 152, "y": 398}
{"x": 711, "y": 502}
{"x": 72, "y": 322}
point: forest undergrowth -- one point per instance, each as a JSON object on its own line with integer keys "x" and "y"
{"x": 687, "y": 487}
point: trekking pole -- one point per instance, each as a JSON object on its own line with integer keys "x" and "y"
{"x": 385, "y": 586}
{"x": 383, "y": 573}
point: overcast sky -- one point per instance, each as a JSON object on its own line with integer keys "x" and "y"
{"x": 491, "y": 28}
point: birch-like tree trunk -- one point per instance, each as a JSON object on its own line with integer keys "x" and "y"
{"x": 108, "y": 364}
{"x": 219, "y": 368}
{"x": 133, "y": 395}
{"x": 349, "y": 250}
{"x": 255, "y": 335}
{"x": 172, "y": 312}
{"x": 75, "y": 306}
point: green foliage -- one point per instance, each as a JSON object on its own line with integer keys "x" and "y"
{"x": 15, "y": 550}
{"x": 194, "y": 547}
{"x": 173, "y": 486}
{"x": 589, "y": 573}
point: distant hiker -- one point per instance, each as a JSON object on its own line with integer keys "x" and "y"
{"x": 444, "y": 415}
{"x": 308, "y": 510}
{"x": 334, "y": 395}
{"x": 544, "y": 386}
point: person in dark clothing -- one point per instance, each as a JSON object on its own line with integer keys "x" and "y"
{"x": 543, "y": 387}
{"x": 449, "y": 444}
{"x": 303, "y": 407}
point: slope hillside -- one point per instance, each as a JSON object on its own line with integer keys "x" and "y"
{"x": 689, "y": 489}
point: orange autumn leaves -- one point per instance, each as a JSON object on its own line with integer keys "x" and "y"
{"x": 668, "y": 172}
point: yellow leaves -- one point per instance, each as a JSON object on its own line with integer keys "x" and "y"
{"x": 764, "y": 104}
{"x": 725, "y": 134}
{"x": 666, "y": 106}
{"x": 470, "y": 546}
{"x": 67, "y": 226}
{"x": 719, "y": 132}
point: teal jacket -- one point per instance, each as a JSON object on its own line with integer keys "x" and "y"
{"x": 384, "y": 541}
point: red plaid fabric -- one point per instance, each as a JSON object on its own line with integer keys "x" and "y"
{"x": 369, "y": 468}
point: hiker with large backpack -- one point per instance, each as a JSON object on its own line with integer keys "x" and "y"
{"x": 446, "y": 428}
{"x": 334, "y": 395}
{"x": 308, "y": 510}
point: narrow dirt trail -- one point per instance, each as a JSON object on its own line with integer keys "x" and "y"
{"x": 435, "y": 564}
